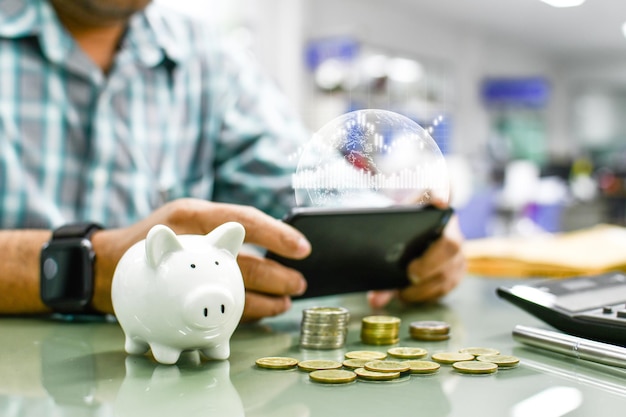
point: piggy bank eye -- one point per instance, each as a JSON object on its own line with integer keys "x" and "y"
{"x": 193, "y": 266}
{"x": 217, "y": 263}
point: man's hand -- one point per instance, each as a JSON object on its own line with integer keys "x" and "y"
{"x": 269, "y": 285}
{"x": 432, "y": 275}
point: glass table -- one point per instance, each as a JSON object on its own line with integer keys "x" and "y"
{"x": 51, "y": 367}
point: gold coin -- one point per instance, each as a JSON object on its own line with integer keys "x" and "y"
{"x": 376, "y": 376}
{"x": 332, "y": 376}
{"x": 423, "y": 367}
{"x": 365, "y": 354}
{"x": 451, "y": 357}
{"x": 386, "y": 366}
{"x": 430, "y": 327}
{"x": 355, "y": 363}
{"x": 407, "y": 352}
{"x": 503, "y": 361}
{"x": 477, "y": 351}
{"x": 381, "y": 320}
{"x": 380, "y": 341}
{"x": 316, "y": 365}
{"x": 430, "y": 337}
{"x": 475, "y": 367}
{"x": 379, "y": 332}
{"x": 276, "y": 362}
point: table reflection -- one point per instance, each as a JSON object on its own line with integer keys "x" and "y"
{"x": 189, "y": 388}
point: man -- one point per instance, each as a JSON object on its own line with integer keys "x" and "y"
{"x": 120, "y": 113}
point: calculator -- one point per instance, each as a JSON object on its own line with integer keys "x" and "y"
{"x": 591, "y": 306}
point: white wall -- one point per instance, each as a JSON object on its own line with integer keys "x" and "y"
{"x": 279, "y": 37}
{"x": 470, "y": 53}
{"x": 281, "y": 28}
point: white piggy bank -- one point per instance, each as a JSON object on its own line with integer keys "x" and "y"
{"x": 175, "y": 293}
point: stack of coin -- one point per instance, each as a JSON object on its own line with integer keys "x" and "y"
{"x": 380, "y": 330}
{"x": 430, "y": 330}
{"x": 324, "y": 327}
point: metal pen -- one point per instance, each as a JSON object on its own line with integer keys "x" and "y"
{"x": 573, "y": 346}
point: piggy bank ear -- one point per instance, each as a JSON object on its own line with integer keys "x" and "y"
{"x": 161, "y": 241}
{"x": 228, "y": 236}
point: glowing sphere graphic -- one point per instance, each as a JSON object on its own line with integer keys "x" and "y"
{"x": 370, "y": 158}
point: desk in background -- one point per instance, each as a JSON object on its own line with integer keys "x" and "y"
{"x": 52, "y": 368}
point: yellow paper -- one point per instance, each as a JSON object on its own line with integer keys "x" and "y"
{"x": 594, "y": 250}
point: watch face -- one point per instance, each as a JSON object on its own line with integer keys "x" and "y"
{"x": 67, "y": 274}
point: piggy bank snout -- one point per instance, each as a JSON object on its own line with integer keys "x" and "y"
{"x": 208, "y": 307}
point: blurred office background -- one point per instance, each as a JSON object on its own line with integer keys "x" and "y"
{"x": 526, "y": 100}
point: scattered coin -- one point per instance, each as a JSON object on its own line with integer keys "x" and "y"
{"x": 365, "y": 354}
{"x": 475, "y": 367}
{"x": 407, "y": 352}
{"x": 451, "y": 357}
{"x": 324, "y": 327}
{"x": 430, "y": 330}
{"x": 375, "y": 375}
{"x": 477, "y": 351}
{"x": 386, "y": 366}
{"x": 276, "y": 362}
{"x": 332, "y": 376}
{"x": 316, "y": 365}
{"x": 355, "y": 363}
{"x": 422, "y": 367}
{"x": 503, "y": 361}
{"x": 380, "y": 330}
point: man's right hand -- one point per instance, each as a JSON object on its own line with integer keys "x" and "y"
{"x": 269, "y": 285}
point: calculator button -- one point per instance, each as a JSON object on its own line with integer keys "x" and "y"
{"x": 597, "y": 316}
{"x": 607, "y": 310}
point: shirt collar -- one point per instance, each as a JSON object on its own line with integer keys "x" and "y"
{"x": 169, "y": 34}
{"x": 150, "y": 38}
{"x": 18, "y": 18}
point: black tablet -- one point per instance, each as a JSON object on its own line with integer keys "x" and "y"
{"x": 362, "y": 249}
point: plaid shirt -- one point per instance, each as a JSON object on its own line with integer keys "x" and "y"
{"x": 178, "y": 115}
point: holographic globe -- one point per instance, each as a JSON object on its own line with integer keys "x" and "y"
{"x": 370, "y": 158}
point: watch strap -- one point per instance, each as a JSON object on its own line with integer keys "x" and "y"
{"x": 84, "y": 230}
{"x": 65, "y": 298}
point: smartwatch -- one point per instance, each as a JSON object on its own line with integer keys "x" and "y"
{"x": 67, "y": 269}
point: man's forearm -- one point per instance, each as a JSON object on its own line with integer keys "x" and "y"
{"x": 19, "y": 272}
